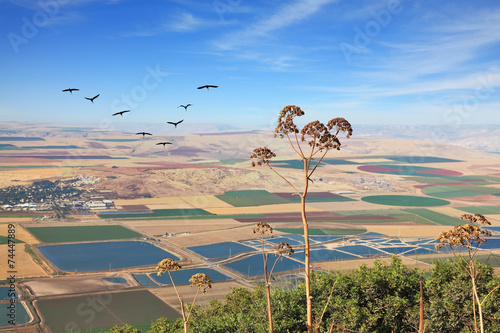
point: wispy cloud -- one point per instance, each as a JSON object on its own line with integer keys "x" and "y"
{"x": 450, "y": 58}
{"x": 286, "y": 15}
{"x": 35, "y": 5}
{"x": 185, "y": 22}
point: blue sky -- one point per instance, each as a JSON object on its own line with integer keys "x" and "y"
{"x": 372, "y": 62}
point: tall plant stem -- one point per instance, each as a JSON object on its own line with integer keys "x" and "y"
{"x": 183, "y": 312}
{"x": 480, "y": 310}
{"x": 306, "y": 250}
{"x": 268, "y": 293}
{"x": 421, "y": 321}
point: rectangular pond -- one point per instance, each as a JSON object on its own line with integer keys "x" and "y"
{"x": 253, "y": 265}
{"x": 101, "y": 256}
{"x": 220, "y": 250}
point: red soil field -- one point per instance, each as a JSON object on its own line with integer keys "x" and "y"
{"x": 487, "y": 199}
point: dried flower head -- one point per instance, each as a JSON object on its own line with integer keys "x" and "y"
{"x": 340, "y": 125}
{"x": 469, "y": 235}
{"x": 167, "y": 265}
{"x": 201, "y": 281}
{"x": 263, "y": 229}
{"x": 263, "y": 155}
{"x": 284, "y": 249}
{"x": 285, "y": 120}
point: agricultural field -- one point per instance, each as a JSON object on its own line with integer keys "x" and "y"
{"x": 102, "y": 311}
{"x": 102, "y": 256}
{"x": 199, "y": 210}
{"x": 82, "y": 233}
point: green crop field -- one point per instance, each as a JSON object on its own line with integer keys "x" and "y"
{"x": 480, "y": 189}
{"x": 435, "y": 217}
{"x": 451, "y": 191}
{"x": 451, "y": 194}
{"x": 160, "y": 213}
{"x": 82, "y": 233}
{"x": 404, "y": 200}
{"x": 481, "y": 209}
{"x": 97, "y": 312}
{"x": 251, "y": 198}
{"x": 5, "y": 240}
{"x": 291, "y": 164}
{"x": 323, "y": 232}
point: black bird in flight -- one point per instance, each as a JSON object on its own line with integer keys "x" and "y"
{"x": 207, "y": 86}
{"x": 120, "y": 113}
{"x": 71, "y": 90}
{"x": 175, "y": 124}
{"x": 164, "y": 143}
{"x": 92, "y": 99}
{"x": 185, "y": 106}
{"x": 143, "y": 133}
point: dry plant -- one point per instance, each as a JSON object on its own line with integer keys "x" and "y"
{"x": 470, "y": 236}
{"x": 265, "y": 230}
{"x": 199, "y": 280}
{"x": 321, "y": 139}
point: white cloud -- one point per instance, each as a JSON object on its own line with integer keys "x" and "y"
{"x": 287, "y": 15}
{"x": 185, "y": 22}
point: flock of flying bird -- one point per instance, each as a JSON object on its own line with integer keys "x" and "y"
{"x": 70, "y": 90}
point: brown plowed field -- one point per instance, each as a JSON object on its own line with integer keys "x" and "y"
{"x": 78, "y": 284}
{"x": 160, "y": 227}
{"x": 218, "y": 291}
{"x": 489, "y": 199}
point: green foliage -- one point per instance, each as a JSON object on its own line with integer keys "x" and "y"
{"x": 123, "y": 329}
{"x": 449, "y": 298}
{"x": 384, "y": 298}
{"x": 164, "y": 325}
{"x": 378, "y": 299}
